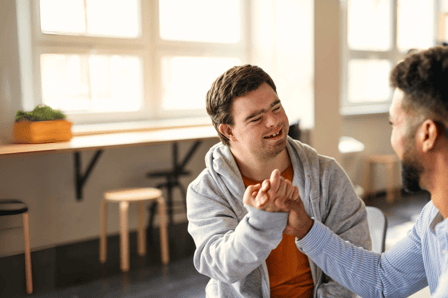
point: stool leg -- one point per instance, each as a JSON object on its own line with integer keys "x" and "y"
{"x": 163, "y": 232}
{"x": 367, "y": 179}
{"x": 390, "y": 182}
{"x": 26, "y": 233}
{"x": 141, "y": 239}
{"x": 103, "y": 228}
{"x": 124, "y": 237}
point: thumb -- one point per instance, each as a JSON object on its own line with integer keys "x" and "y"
{"x": 250, "y": 193}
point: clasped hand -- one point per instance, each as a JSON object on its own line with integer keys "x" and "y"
{"x": 277, "y": 194}
{"x": 271, "y": 194}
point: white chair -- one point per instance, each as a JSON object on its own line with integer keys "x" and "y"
{"x": 377, "y": 227}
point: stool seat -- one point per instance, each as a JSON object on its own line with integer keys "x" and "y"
{"x": 14, "y": 207}
{"x": 124, "y": 197}
{"x": 382, "y": 158}
{"x": 133, "y": 194}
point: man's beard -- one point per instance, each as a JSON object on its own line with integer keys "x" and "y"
{"x": 411, "y": 171}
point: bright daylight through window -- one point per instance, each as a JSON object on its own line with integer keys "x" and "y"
{"x": 375, "y": 43}
{"x": 104, "y": 59}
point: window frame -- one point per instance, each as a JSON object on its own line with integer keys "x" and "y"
{"x": 149, "y": 47}
{"x": 393, "y": 55}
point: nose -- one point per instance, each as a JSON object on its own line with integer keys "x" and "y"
{"x": 271, "y": 119}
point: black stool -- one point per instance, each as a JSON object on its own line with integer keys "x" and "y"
{"x": 294, "y": 130}
{"x": 171, "y": 177}
{"x": 14, "y": 207}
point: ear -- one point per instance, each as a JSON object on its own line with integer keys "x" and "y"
{"x": 428, "y": 134}
{"x": 226, "y": 130}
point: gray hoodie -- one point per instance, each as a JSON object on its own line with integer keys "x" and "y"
{"x": 233, "y": 240}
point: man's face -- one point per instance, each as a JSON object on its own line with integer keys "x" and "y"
{"x": 404, "y": 144}
{"x": 260, "y": 124}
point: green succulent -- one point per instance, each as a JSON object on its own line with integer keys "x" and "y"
{"x": 40, "y": 113}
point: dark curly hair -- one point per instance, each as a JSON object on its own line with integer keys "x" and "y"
{"x": 423, "y": 77}
{"x": 235, "y": 82}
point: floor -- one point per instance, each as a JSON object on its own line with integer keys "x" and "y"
{"x": 73, "y": 271}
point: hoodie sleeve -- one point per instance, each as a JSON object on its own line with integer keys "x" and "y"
{"x": 227, "y": 248}
{"x": 343, "y": 212}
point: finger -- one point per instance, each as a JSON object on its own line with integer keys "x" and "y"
{"x": 281, "y": 192}
{"x": 282, "y": 203}
{"x": 289, "y": 189}
{"x": 275, "y": 180}
{"x": 266, "y": 185}
{"x": 254, "y": 189}
{"x": 249, "y": 193}
{"x": 262, "y": 198}
{"x": 296, "y": 195}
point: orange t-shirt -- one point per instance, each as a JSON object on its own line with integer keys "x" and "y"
{"x": 289, "y": 269}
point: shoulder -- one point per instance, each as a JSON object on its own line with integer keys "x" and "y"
{"x": 202, "y": 182}
{"x": 309, "y": 157}
{"x": 427, "y": 215}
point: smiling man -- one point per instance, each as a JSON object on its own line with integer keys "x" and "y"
{"x": 242, "y": 248}
{"x": 419, "y": 119}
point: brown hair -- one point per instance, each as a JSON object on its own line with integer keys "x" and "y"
{"x": 423, "y": 77}
{"x": 235, "y": 82}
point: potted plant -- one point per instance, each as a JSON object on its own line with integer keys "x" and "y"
{"x": 42, "y": 125}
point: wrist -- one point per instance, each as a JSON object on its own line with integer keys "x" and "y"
{"x": 300, "y": 233}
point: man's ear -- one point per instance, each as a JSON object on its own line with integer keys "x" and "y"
{"x": 226, "y": 130}
{"x": 428, "y": 134}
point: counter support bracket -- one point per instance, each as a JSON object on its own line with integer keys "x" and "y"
{"x": 80, "y": 179}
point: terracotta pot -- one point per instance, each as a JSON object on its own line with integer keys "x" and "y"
{"x": 42, "y": 131}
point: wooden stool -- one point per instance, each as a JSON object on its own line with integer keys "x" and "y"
{"x": 124, "y": 196}
{"x": 14, "y": 207}
{"x": 390, "y": 161}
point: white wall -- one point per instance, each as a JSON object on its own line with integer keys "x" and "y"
{"x": 327, "y": 59}
{"x": 10, "y": 88}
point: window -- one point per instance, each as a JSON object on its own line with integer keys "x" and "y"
{"x": 379, "y": 33}
{"x": 129, "y": 60}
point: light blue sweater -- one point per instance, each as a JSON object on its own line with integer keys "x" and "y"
{"x": 233, "y": 240}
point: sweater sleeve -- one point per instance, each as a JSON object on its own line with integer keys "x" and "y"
{"x": 228, "y": 249}
{"x": 397, "y": 273}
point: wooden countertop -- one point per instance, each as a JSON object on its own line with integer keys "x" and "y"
{"x": 113, "y": 140}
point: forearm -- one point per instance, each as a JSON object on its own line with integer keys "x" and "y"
{"x": 232, "y": 254}
{"x": 364, "y": 272}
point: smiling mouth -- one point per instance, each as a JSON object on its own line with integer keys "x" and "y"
{"x": 274, "y": 135}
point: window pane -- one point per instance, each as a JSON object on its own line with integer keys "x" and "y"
{"x": 186, "y": 80}
{"x": 295, "y": 88}
{"x": 62, "y": 17}
{"x": 368, "y": 80}
{"x": 412, "y": 32}
{"x": 113, "y": 18}
{"x": 108, "y": 18}
{"x": 95, "y": 83}
{"x": 116, "y": 83}
{"x": 200, "y": 20}
{"x": 369, "y": 24}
